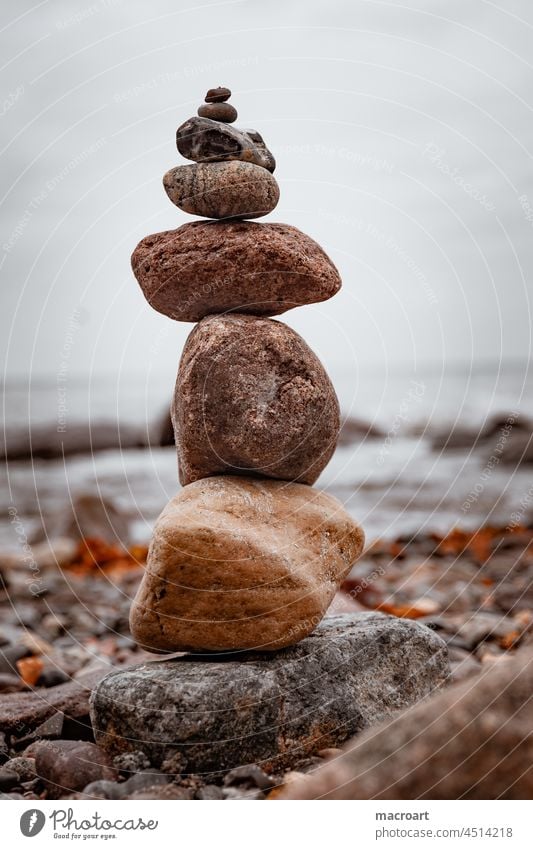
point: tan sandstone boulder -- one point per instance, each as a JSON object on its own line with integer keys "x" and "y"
{"x": 242, "y": 563}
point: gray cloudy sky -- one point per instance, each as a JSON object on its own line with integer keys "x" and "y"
{"x": 403, "y": 135}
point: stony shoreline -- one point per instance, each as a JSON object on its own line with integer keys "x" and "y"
{"x": 473, "y": 590}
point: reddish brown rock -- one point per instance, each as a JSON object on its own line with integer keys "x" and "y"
{"x": 252, "y": 398}
{"x": 218, "y": 112}
{"x": 218, "y": 95}
{"x": 211, "y": 267}
{"x": 222, "y": 189}
{"x": 20, "y": 713}
{"x": 69, "y": 765}
{"x": 242, "y": 563}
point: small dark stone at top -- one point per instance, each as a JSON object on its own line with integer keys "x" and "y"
{"x": 218, "y": 95}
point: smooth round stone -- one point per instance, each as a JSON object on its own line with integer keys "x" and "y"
{"x": 218, "y": 95}
{"x": 211, "y": 267}
{"x": 218, "y": 112}
{"x": 252, "y": 398}
{"x": 205, "y": 140}
{"x": 222, "y": 189}
{"x": 242, "y": 563}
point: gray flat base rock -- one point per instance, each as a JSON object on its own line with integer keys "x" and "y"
{"x": 211, "y": 713}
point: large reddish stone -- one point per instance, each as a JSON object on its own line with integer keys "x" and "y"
{"x": 208, "y": 267}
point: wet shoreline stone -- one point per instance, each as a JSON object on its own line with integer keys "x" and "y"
{"x": 218, "y": 712}
{"x": 242, "y": 563}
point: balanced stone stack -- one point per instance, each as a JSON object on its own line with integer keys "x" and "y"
{"x": 247, "y": 558}
{"x": 247, "y": 555}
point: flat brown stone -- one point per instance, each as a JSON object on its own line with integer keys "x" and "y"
{"x": 21, "y": 712}
{"x": 251, "y": 397}
{"x": 208, "y": 267}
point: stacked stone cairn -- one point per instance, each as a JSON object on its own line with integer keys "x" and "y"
{"x": 248, "y": 555}
{"x": 246, "y": 559}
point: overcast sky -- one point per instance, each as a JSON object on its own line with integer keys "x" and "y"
{"x": 403, "y": 136}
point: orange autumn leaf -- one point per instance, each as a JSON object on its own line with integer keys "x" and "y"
{"x": 96, "y": 556}
{"x": 510, "y": 639}
{"x": 405, "y": 611}
{"x": 29, "y": 669}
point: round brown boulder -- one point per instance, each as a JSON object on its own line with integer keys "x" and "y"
{"x": 252, "y": 398}
{"x": 208, "y": 267}
{"x": 242, "y": 563}
{"x": 222, "y": 189}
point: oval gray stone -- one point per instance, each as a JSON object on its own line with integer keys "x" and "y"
{"x": 222, "y": 189}
{"x": 219, "y": 711}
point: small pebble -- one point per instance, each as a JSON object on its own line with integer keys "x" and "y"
{"x": 143, "y": 781}
{"x": 9, "y": 657}
{"x": 23, "y": 767}
{"x": 252, "y": 794}
{"x": 218, "y": 112}
{"x": 329, "y": 753}
{"x": 210, "y": 793}
{"x": 131, "y": 762}
{"x": 4, "y": 750}
{"x": 218, "y": 95}
{"x": 249, "y": 775}
{"x": 8, "y": 779}
{"x": 71, "y": 765}
{"x": 11, "y": 683}
{"x": 104, "y": 790}
{"x": 168, "y": 791}
{"x": 52, "y": 677}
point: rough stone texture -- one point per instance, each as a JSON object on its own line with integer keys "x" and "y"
{"x": 71, "y": 765}
{"x": 22, "y": 712}
{"x": 220, "y": 712}
{"x": 472, "y": 741}
{"x": 242, "y": 563}
{"x": 208, "y": 267}
{"x": 251, "y": 397}
{"x": 218, "y": 112}
{"x": 205, "y": 140}
{"x": 222, "y": 189}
